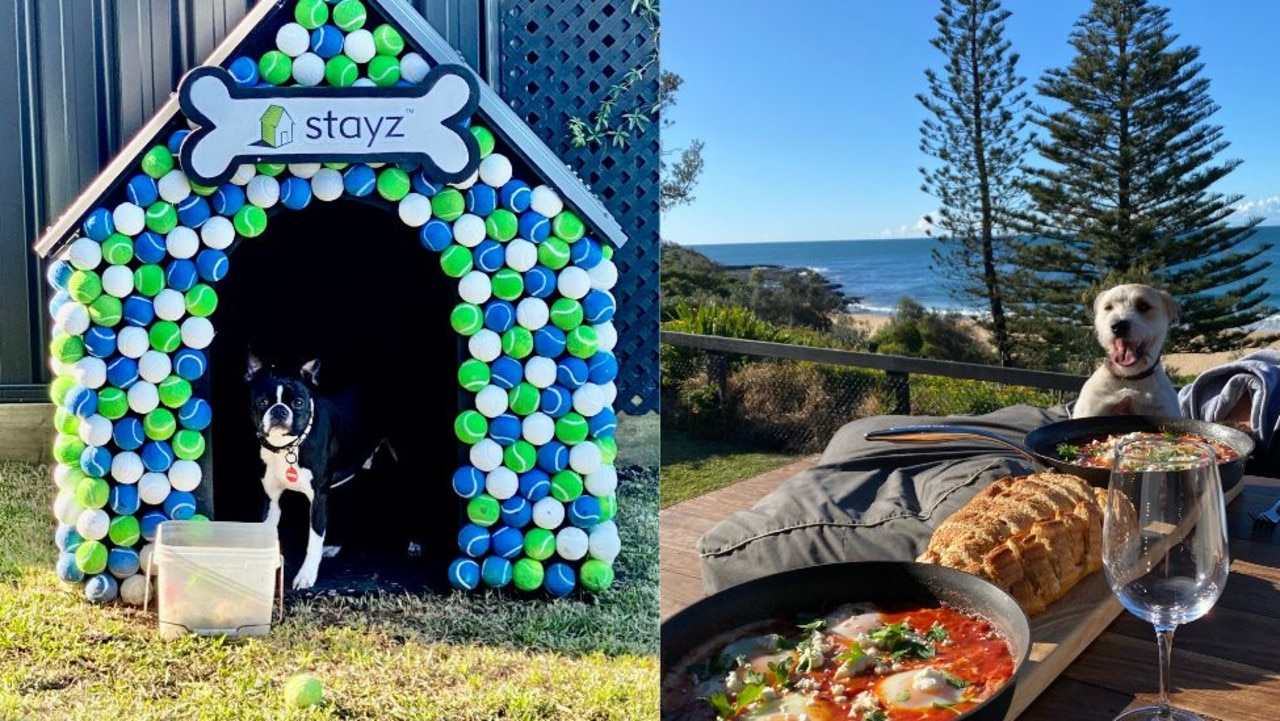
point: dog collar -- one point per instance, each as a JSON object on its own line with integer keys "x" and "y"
{"x": 291, "y": 448}
{"x": 1155, "y": 365}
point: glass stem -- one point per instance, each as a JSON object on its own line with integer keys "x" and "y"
{"x": 1164, "y": 640}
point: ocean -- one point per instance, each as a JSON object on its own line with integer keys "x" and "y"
{"x": 882, "y": 271}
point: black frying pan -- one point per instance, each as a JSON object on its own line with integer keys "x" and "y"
{"x": 818, "y": 589}
{"x": 1041, "y": 445}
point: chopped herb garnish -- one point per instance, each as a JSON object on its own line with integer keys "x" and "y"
{"x": 902, "y": 642}
{"x": 781, "y": 671}
{"x": 903, "y": 696}
{"x": 954, "y": 680}
{"x": 854, "y": 653}
{"x": 752, "y": 677}
{"x": 729, "y": 710}
{"x": 877, "y": 715}
{"x": 1068, "y": 452}
{"x": 937, "y": 633}
{"x": 724, "y": 709}
{"x": 809, "y": 628}
{"x": 748, "y": 695}
{"x": 948, "y": 706}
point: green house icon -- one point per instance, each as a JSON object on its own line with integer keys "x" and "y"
{"x": 277, "y": 127}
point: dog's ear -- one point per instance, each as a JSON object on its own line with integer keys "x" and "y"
{"x": 1171, "y": 307}
{"x": 253, "y": 367}
{"x": 311, "y": 371}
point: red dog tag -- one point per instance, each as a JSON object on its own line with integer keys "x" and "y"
{"x": 291, "y": 474}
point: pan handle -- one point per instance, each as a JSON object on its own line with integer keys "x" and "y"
{"x": 941, "y": 433}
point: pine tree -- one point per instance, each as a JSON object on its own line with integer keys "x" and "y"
{"x": 1126, "y": 194}
{"x": 976, "y": 134}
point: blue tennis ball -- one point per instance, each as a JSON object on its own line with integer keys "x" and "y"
{"x": 195, "y": 414}
{"x": 515, "y": 196}
{"x": 496, "y": 571}
{"x": 423, "y": 184}
{"x": 464, "y": 574}
{"x": 481, "y": 200}
{"x": 598, "y": 306}
{"x": 95, "y": 461}
{"x": 141, "y": 191}
{"x": 212, "y": 264}
{"x": 82, "y": 401}
{"x": 468, "y": 482}
{"x": 326, "y": 41}
{"x": 507, "y": 542}
{"x": 245, "y": 71}
{"x": 584, "y": 511}
{"x": 100, "y": 342}
{"x": 534, "y": 226}
{"x": 129, "y": 433}
{"x": 138, "y": 311}
{"x": 67, "y": 569}
{"x": 149, "y": 247}
{"x": 122, "y": 562}
{"x": 189, "y": 363}
{"x": 193, "y": 211}
{"x": 548, "y": 341}
{"x": 516, "y": 512}
{"x": 157, "y": 456}
{"x": 559, "y": 579}
{"x": 98, "y": 224}
{"x": 602, "y": 367}
{"x": 553, "y": 458}
{"x": 295, "y": 193}
{"x": 436, "y": 235}
{"x": 148, "y": 523}
{"x": 535, "y": 484}
{"x": 227, "y": 199}
{"x": 586, "y": 253}
{"x": 124, "y": 499}
{"x": 505, "y": 372}
{"x": 175, "y": 140}
{"x": 359, "y": 180}
{"x": 556, "y": 401}
{"x": 473, "y": 540}
{"x": 58, "y": 300}
{"x": 499, "y": 315}
{"x": 505, "y": 429}
{"x": 101, "y": 588}
{"x": 603, "y": 424}
{"x": 489, "y": 255}
{"x": 179, "y": 505}
{"x": 59, "y": 273}
{"x": 540, "y": 281}
{"x": 181, "y": 275}
{"x": 571, "y": 372}
{"x": 67, "y": 538}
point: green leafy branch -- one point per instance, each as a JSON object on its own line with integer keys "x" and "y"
{"x": 609, "y": 123}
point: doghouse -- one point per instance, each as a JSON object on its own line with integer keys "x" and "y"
{"x": 335, "y": 183}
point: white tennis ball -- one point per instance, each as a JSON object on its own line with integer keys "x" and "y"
{"x": 359, "y": 46}
{"x": 153, "y": 487}
{"x": 475, "y": 287}
{"x": 414, "y": 68}
{"x": 218, "y": 232}
{"x": 571, "y": 543}
{"x": 143, "y": 397}
{"x": 145, "y": 553}
{"x": 126, "y": 467}
{"x": 495, "y": 170}
{"x": 95, "y": 430}
{"x": 65, "y": 507}
{"x": 132, "y": 341}
{"x": 538, "y": 428}
{"x": 196, "y": 332}
{"x": 86, "y": 253}
{"x": 169, "y": 304}
{"x": 293, "y": 40}
{"x": 501, "y": 483}
{"x": 468, "y": 230}
{"x": 532, "y": 313}
{"x": 467, "y": 182}
{"x": 90, "y": 372}
{"x": 603, "y": 481}
{"x": 128, "y": 218}
{"x": 415, "y": 210}
{"x": 522, "y": 255}
{"x": 72, "y": 318}
{"x": 62, "y": 476}
{"x": 585, "y": 458}
{"x": 486, "y": 455}
{"x": 546, "y": 201}
{"x": 491, "y": 401}
{"x": 367, "y": 83}
{"x": 308, "y": 69}
{"x": 174, "y": 186}
{"x": 548, "y": 513}
{"x": 485, "y": 345}
{"x": 185, "y": 475}
{"x": 154, "y": 366}
{"x": 603, "y": 542}
{"x": 133, "y": 590}
{"x": 573, "y": 282}
{"x": 117, "y": 281}
{"x": 588, "y": 400}
{"x": 610, "y": 391}
{"x": 540, "y": 371}
{"x": 326, "y": 184}
{"x": 244, "y": 173}
{"x": 604, "y": 275}
{"x": 263, "y": 191}
{"x": 182, "y": 242}
{"x": 93, "y": 524}
{"x": 606, "y": 336}
{"x": 306, "y": 171}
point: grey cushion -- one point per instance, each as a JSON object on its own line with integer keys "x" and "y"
{"x": 866, "y": 500}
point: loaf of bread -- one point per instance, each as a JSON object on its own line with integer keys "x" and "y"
{"x": 1034, "y": 536}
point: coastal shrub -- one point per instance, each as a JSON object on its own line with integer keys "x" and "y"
{"x": 938, "y": 396}
{"x": 915, "y": 331}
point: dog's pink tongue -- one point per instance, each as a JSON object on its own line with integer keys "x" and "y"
{"x": 1123, "y": 354}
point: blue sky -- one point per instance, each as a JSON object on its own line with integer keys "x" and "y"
{"x": 812, "y": 128}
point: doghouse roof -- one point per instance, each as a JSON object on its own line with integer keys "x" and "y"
{"x": 518, "y": 137}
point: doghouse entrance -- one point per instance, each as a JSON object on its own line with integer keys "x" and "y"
{"x": 347, "y": 283}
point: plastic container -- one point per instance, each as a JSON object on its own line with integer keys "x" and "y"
{"x": 216, "y": 578}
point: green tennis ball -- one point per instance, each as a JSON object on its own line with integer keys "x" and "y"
{"x": 553, "y": 253}
{"x": 92, "y": 492}
{"x": 470, "y": 426}
{"x": 501, "y": 225}
{"x": 84, "y": 286}
{"x": 113, "y": 403}
{"x": 157, "y": 161}
{"x": 520, "y": 456}
{"x": 507, "y": 284}
{"x": 582, "y": 341}
{"x": 117, "y": 249}
{"x": 63, "y": 384}
{"x": 566, "y": 314}
{"x": 204, "y": 190}
{"x": 174, "y": 391}
{"x": 188, "y": 445}
{"x": 349, "y": 15}
{"x": 456, "y": 261}
{"x": 162, "y": 217}
{"x": 384, "y": 70}
{"x": 303, "y": 690}
{"x": 91, "y": 557}
{"x": 608, "y": 449}
{"x": 568, "y": 226}
{"x": 106, "y": 311}
{"x": 311, "y": 14}
{"x": 124, "y": 531}
{"x": 393, "y": 183}
{"x": 608, "y": 507}
{"x": 67, "y": 449}
{"x": 165, "y": 336}
{"x": 566, "y": 486}
{"x": 473, "y": 374}
{"x": 539, "y": 544}
{"x": 159, "y": 425}
{"x": 527, "y": 574}
{"x": 201, "y": 300}
{"x": 523, "y": 399}
{"x": 448, "y": 204}
{"x": 148, "y": 279}
{"x": 595, "y": 575}
{"x": 66, "y": 349}
{"x": 467, "y": 319}
{"x": 483, "y": 510}
{"x": 336, "y": 165}
{"x": 571, "y": 428}
{"x": 275, "y": 67}
{"x": 517, "y": 342}
{"x": 250, "y": 220}
{"x": 484, "y": 138}
{"x": 271, "y": 169}
{"x": 608, "y": 252}
{"x": 341, "y": 72}
{"x": 387, "y": 40}
{"x": 64, "y": 421}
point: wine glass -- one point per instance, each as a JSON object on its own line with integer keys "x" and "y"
{"x": 1164, "y": 543}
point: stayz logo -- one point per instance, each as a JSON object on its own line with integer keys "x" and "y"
{"x": 422, "y": 124}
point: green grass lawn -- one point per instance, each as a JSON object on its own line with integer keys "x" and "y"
{"x": 457, "y": 656}
{"x": 691, "y": 467}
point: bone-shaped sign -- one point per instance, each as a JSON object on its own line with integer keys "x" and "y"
{"x": 419, "y": 124}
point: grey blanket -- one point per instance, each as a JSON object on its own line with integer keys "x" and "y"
{"x": 1255, "y": 379}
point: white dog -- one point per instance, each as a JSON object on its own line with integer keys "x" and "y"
{"x": 1132, "y": 322}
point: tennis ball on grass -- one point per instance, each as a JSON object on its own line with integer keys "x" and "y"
{"x": 527, "y": 574}
{"x": 596, "y": 575}
{"x": 303, "y": 690}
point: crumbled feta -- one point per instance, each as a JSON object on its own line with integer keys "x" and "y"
{"x": 929, "y": 679}
{"x": 837, "y": 689}
{"x": 733, "y": 682}
{"x": 854, "y": 667}
{"x": 864, "y": 703}
{"x": 868, "y": 643}
{"x": 768, "y": 693}
{"x": 808, "y": 684}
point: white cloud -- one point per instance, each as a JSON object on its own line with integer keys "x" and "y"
{"x": 919, "y": 229}
{"x": 1268, "y": 208}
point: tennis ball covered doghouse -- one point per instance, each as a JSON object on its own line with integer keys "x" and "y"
{"x": 306, "y": 104}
